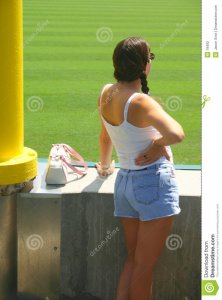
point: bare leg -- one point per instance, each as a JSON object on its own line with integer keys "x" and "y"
{"x": 151, "y": 239}
{"x": 130, "y": 227}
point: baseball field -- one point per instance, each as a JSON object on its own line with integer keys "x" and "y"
{"x": 68, "y": 48}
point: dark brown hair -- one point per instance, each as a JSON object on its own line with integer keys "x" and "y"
{"x": 129, "y": 60}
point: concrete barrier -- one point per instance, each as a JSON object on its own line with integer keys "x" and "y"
{"x": 8, "y": 240}
{"x": 71, "y": 247}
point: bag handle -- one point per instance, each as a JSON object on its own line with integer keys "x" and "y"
{"x": 74, "y": 168}
{"x": 81, "y": 161}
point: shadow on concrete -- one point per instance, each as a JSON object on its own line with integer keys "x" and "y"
{"x": 82, "y": 296}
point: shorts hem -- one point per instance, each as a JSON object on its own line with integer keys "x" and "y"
{"x": 125, "y": 216}
{"x": 163, "y": 216}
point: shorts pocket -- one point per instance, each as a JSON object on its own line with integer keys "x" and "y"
{"x": 117, "y": 183}
{"x": 168, "y": 177}
{"x": 146, "y": 188}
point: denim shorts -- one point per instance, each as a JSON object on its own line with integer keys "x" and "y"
{"x": 147, "y": 194}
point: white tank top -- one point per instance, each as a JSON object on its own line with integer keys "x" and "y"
{"x": 129, "y": 140}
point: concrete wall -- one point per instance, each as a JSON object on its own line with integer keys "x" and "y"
{"x": 71, "y": 247}
{"x": 8, "y": 239}
{"x": 87, "y": 223}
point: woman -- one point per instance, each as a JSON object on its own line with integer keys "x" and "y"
{"x": 146, "y": 192}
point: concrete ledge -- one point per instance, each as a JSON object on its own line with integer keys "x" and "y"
{"x": 189, "y": 183}
{"x": 80, "y": 247}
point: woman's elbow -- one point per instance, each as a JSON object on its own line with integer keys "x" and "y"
{"x": 179, "y": 136}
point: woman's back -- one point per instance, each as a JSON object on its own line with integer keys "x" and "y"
{"x": 129, "y": 133}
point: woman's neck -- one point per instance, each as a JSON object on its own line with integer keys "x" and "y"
{"x": 132, "y": 85}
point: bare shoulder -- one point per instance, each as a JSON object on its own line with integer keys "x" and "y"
{"x": 106, "y": 87}
{"x": 145, "y": 102}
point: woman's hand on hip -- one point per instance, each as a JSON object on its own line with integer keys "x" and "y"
{"x": 151, "y": 154}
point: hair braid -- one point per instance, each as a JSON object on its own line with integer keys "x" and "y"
{"x": 145, "y": 88}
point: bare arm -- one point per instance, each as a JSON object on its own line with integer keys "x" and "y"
{"x": 106, "y": 148}
{"x": 170, "y": 130}
{"x": 106, "y": 145}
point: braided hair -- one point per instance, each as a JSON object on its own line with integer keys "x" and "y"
{"x": 145, "y": 88}
{"x": 129, "y": 60}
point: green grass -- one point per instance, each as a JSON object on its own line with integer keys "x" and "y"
{"x": 66, "y": 67}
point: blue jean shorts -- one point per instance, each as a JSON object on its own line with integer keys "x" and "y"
{"x": 147, "y": 194}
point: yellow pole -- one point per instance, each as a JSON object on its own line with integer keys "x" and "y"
{"x": 17, "y": 163}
